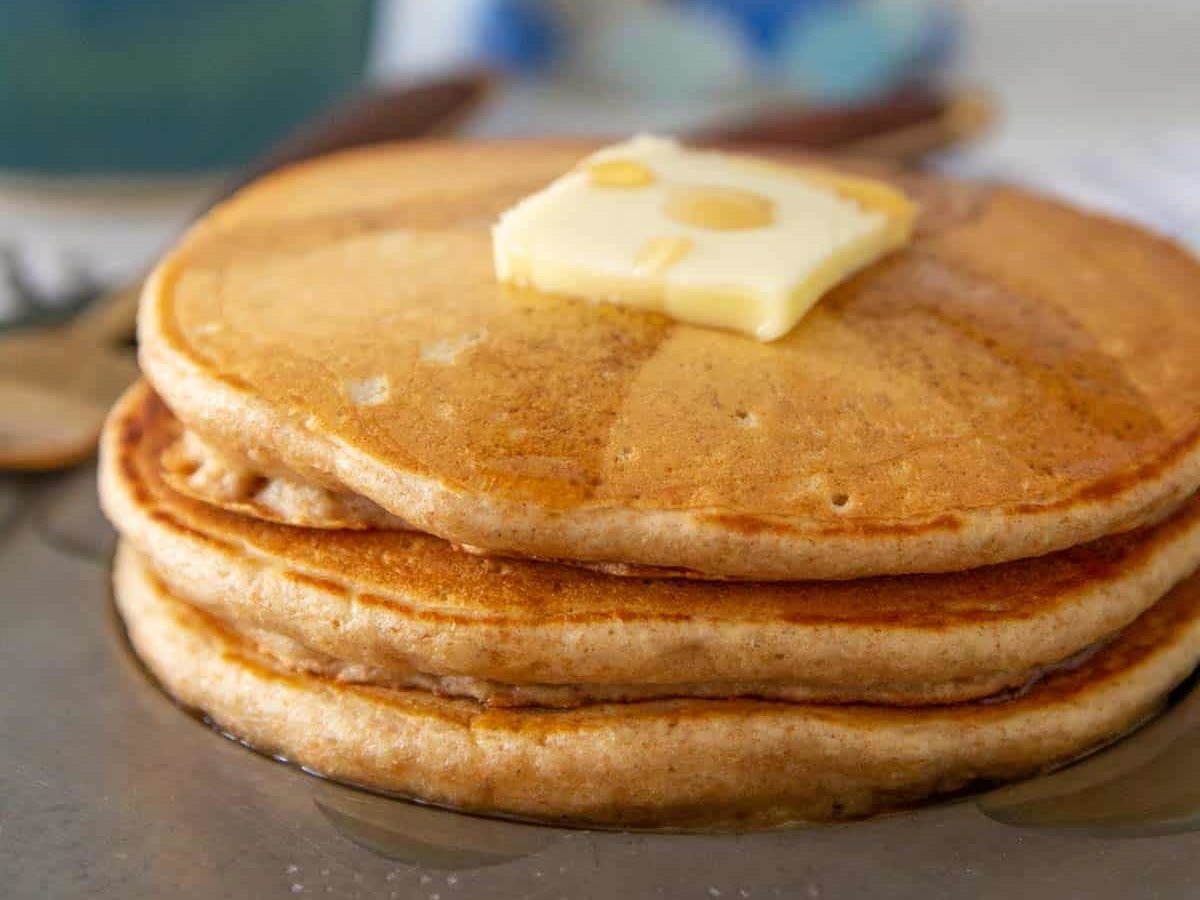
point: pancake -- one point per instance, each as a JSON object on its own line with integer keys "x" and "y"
{"x": 707, "y": 763}
{"x": 1020, "y": 379}
{"x": 197, "y": 469}
{"x": 409, "y": 607}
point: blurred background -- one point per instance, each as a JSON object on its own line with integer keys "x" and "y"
{"x": 119, "y": 119}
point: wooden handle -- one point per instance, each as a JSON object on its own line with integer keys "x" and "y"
{"x": 404, "y": 112}
{"x": 112, "y": 317}
{"x": 966, "y": 115}
{"x": 897, "y": 127}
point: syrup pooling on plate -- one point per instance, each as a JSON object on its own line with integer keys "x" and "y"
{"x": 1141, "y": 785}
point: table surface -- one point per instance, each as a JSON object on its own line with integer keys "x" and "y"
{"x": 108, "y": 790}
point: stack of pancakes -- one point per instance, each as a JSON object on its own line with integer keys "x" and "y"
{"x": 522, "y": 554}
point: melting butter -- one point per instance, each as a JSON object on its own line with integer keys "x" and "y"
{"x": 659, "y": 254}
{"x": 707, "y": 238}
{"x": 620, "y": 173}
{"x": 717, "y": 208}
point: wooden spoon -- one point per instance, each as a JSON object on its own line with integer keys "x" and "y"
{"x": 900, "y": 128}
{"x": 56, "y": 384}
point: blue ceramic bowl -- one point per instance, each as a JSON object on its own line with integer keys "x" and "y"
{"x": 167, "y": 86}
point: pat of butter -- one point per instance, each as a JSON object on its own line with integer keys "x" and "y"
{"x": 704, "y": 237}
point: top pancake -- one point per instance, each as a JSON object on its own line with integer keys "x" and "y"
{"x": 1020, "y": 379}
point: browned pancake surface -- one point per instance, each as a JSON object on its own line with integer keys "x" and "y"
{"x": 1019, "y": 379}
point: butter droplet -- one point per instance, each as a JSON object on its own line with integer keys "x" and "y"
{"x": 619, "y": 173}
{"x": 659, "y": 254}
{"x": 447, "y": 350}
{"x": 719, "y": 208}
{"x": 369, "y": 391}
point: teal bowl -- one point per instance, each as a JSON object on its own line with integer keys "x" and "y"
{"x": 96, "y": 87}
